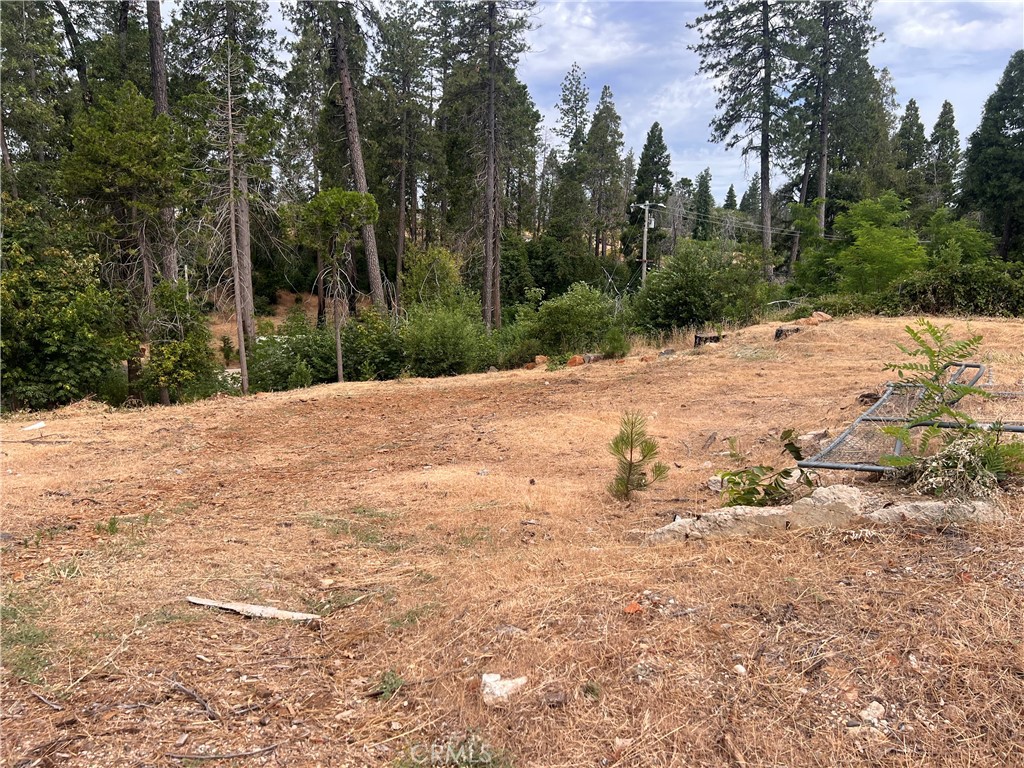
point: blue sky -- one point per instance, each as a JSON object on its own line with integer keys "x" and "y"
{"x": 934, "y": 50}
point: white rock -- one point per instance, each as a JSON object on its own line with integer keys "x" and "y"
{"x": 873, "y": 712}
{"x": 715, "y": 483}
{"x": 740, "y": 670}
{"x": 496, "y": 691}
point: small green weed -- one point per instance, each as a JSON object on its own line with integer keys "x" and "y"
{"x": 23, "y": 640}
{"x": 388, "y": 685}
{"x": 68, "y": 569}
{"x": 110, "y": 527}
{"x": 412, "y": 616}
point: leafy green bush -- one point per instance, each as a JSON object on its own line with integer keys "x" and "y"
{"x": 765, "y": 486}
{"x": 301, "y": 376}
{"x": 615, "y": 343}
{"x": 372, "y": 347}
{"x": 952, "y": 287}
{"x": 273, "y": 359}
{"x": 446, "y": 339}
{"x": 699, "y": 286}
{"x": 180, "y": 358}
{"x": 882, "y": 250}
{"x": 62, "y": 334}
{"x": 577, "y": 321}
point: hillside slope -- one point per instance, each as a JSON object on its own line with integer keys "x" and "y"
{"x": 450, "y": 528}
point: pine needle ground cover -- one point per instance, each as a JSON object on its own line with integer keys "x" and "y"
{"x": 451, "y": 528}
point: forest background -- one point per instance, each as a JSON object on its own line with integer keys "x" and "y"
{"x": 388, "y": 159}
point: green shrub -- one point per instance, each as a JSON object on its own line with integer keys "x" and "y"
{"x": 615, "y": 343}
{"x": 273, "y": 359}
{"x": 301, "y": 376}
{"x": 577, "y": 321}
{"x": 180, "y": 357}
{"x": 700, "y": 286}
{"x": 372, "y": 347}
{"x": 62, "y": 334}
{"x": 839, "y": 304}
{"x": 956, "y": 288}
{"x": 882, "y": 250}
{"x": 113, "y": 390}
{"x": 446, "y": 340}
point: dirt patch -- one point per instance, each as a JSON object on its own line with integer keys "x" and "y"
{"x": 450, "y": 528}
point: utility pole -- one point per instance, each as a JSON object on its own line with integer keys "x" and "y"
{"x": 643, "y": 257}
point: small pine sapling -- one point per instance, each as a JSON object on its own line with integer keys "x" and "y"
{"x": 635, "y": 452}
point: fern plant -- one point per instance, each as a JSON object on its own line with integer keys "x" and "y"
{"x": 964, "y": 460}
{"x": 634, "y": 452}
{"x": 932, "y": 355}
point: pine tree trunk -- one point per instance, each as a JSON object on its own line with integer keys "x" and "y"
{"x": 11, "y": 184}
{"x": 321, "y": 297}
{"x": 75, "y": 45}
{"x": 766, "y": 113}
{"x": 161, "y": 106}
{"x": 233, "y": 238}
{"x": 400, "y": 245}
{"x": 491, "y": 288}
{"x": 355, "y": 149}
{"x": 825, "y": 91}
{"x": 122, "y": 36}
{"x": 245, "y": 252}
{"x": 805, "y": 181}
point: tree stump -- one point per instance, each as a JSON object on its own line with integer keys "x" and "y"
{"x": 785, "y": 332}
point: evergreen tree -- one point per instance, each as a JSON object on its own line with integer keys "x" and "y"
{"x": 37, "y": 99}
{"x": 837, "y": 38}
{"x": 223, "y": 75}
{"x": 745, "y": 46}
{"x": 751, "y": 200}
{"x": 864, "y": 118}
{"x": 703, "y": 208}
{"x": 602, "y": 162}
{"x": 573, "y": 111}
{"x": 653, "y": 185}
{"x": 994, "y": 161}
{"x": 730, "y": 199}
{"x": 911, "y": 145}
{"x": 943, "y": 156}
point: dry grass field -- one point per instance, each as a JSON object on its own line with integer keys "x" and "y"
{"x": 450, "y": 528}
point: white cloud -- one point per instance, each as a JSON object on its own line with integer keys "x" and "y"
{"x": 951, "y": 26}
{"x": 570, "y": 32}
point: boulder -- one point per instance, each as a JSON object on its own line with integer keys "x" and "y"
{"x": 575, "y": 360}
{"x": 541, "y": 359}
{"x": 834, "y": 506}
{"x": 821, "y": 317}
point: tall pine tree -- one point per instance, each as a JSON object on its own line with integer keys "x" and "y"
{"x": 994, "y": 161}
{"x": 745, "y": 47}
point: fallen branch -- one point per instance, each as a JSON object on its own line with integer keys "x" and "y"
{"x": 224, "y": 756}
{"x": 210, "y": 711}
{"x": 46, "y": 701}
{"x": 255, "y": 611}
